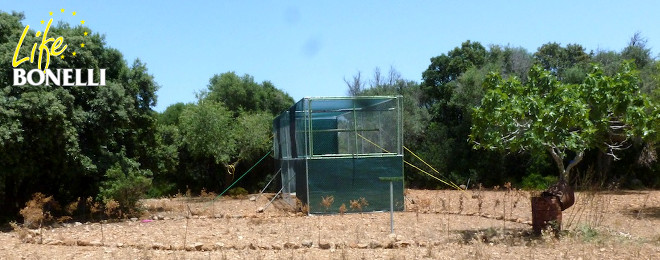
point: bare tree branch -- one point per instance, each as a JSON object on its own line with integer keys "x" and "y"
{"x": 356, "y": 85}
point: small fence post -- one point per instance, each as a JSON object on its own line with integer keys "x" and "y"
{"x": 391, "y": 180}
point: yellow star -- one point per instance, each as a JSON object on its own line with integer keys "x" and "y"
{"x": 82, "y": 22}
{"x": 62, "y": 10}
{"x": 74, "y": 13}
{"x": 85, "y": 33}
{"x": 42, "y": 21}
{"x": 62, "y": 57}
{"x": 82, "y": 45}
{"x": 74, "y": 53}
{"x": 50, "y": 13}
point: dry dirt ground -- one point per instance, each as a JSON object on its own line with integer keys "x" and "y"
{"x": 435, "y": 225}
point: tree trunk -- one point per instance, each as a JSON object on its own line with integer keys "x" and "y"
{"x": 563, "y": 192}
{"x": 547, "y": 208}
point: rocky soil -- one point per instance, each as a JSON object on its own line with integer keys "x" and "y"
{"x": 436, "y": 225}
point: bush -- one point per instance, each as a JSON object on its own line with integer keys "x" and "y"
{"x": 536, "y": 181}
{"x": 126, "y": 183}
{"x": 237, "y": 192}
{"x": 37, "y": 211}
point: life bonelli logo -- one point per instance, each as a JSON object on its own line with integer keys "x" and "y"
{"x": 52, "y": 47}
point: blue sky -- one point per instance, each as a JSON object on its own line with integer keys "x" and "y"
{"x": 307, "y": 48}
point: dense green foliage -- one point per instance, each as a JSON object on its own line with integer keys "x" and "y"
{"x": 64, "y": 140}
{"x": 226, "y": 131}
{"x": 577, "y": 102}
{"x": 546, "y": 115}
{"x": 568, "y": 81}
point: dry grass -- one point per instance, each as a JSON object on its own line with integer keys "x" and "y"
{"x": 327, "y": 201}
{"x": 625, "y": 228}
{"x": 342, "y": 209}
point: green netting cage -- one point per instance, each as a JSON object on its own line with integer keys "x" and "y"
{"x": 341, "y": 147}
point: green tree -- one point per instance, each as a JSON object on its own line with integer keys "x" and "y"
{"x": 62, "y": 140}
{"x": 244, "y": 94}
{"x": 453, "y": 86}
{"x": 637, "y": 51}
{"x": 569, "y": 64}
{"x": 226, "y": 131}
{"x": 564, "y": 120}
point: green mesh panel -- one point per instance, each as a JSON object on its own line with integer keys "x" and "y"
{"x": 349, "y": 179}
{"x": 340, "y": 147}
{"x": 324, "y": 136}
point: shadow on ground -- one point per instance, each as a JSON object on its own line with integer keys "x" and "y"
{"x": 512, "y": 236}
{"x": 644, "y": 212}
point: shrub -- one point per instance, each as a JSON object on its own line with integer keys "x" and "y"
{"x": 342, "y": 209}
{"x": 327, "y": 202}
{"x": 237, "y": 192}
{"x": 37, "y": 210}
{"x": 125, "y": 183}
{"x": 536, "y": 181}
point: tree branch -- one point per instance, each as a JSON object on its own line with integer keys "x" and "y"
{"x": 558, "y": 160}
{"x": 576, "y": 160}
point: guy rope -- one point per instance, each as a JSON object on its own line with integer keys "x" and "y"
{"x": 448, "y": 183}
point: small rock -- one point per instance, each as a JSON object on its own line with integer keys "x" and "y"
{"x": 157, "y": 246}
{"x": 325, "y": 245}
{"x": 198, "y": 246}
{"x": 253, "y": 198}
{"x": 387, "y": 244}
{"x": 207, "y": 248}
{"x": 95, "y": 243}
{"x": 307, "y": 243}
{"x": 276, "y": 247}
{"x": 374, "y": 245}
{"x": 402, "y": 244}
{"x": 76, "y": 224}
{"x": 393, "y": 237}
{"x": 264, "y": 247}
{"x": 362, "y": 245}
{"x": 218, "y": 245}
{"x": 260, "y": 209}
{"x": 53, "y": 242}
{"x": 134, "y": 219}
{"x": 290, "y": 245}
